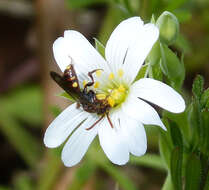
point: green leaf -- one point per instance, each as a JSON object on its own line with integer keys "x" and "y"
{"x": 50, "y": 171}
{"x": 100, "y": 47}
{"x": 165, "y": 146}
{"x": 168, "y": 183}
{"x": 23, "y": 141}
{"x": 74, "y": 4}
{"x": 67, "y": 96}
{"x": 176, "y": 135}
{"x": 25, "y": 103}
{"x": 148, "y": 160}
{"x": 204, "y": 101}
{"x": 176, "y": 168}
{"x": 82, "y": 175}
{"x": 155, "y": 72}
{"x": 23, "y": 182}
{"x": 171, "y": 66}
{"x": 193, "y": 173}
{"x": 206, "y": 187}
{"x": 197, "y": 87}
{"x": 98, "y": 157}
{"x": 141, "y": 72}
{"x": 4, "y": 188}
{"x": 116, "y": 174}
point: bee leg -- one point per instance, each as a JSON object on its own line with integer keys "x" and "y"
{"x": 109, "y": 120}
{"x": 95, "y": 123}
{"x": 92, "y": 78}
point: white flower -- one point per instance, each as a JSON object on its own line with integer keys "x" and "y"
{"x": 125, "y": 53}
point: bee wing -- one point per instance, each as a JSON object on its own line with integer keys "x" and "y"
{"x": 65, "y": 85}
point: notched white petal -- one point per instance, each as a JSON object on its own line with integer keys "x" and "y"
{"x": 63, "y": 125}
{"x": 76, "y": 47}
{"x": 160, "y": 94}
{"x": 113, "y": 143}
{"x": 78, "y": 143}
{"x": 135, "y": 135}
{"x": 141, "y": 111}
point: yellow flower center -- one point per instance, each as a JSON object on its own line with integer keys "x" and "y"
{"x": 117, "y": 96}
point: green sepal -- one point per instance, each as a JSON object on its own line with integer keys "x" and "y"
{"x": 176, "y": 168}
{"x": 193, "y": 173}
{"x": 155, "y": 54}
{"x": 171, "y": 66}
{"x": 99, "y": 47}
{"x": 67, "y": 96}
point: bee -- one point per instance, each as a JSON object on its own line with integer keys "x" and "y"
{"x": 85, "y": 98}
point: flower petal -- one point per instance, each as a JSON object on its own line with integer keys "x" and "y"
{"x": 63, "y": 125}
{"x": 129, "y": 45}
{"x": 141, "y": 111}
{"x": 79, "y": 142}
{"x": 113, "y": 143}
{"x": 76, "y": 47}
{"x": 138, "y": 52}
{"x": 160, "y": 94}
{"x": 135, "y": 135}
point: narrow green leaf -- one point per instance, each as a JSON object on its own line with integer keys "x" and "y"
{"x": 176, "y": 135}
{"x": 204, "y": 102}
{"x": 116, "y": 174}
{"x": 168, "y": 183}
{"x": 165, "y": 144}
{"x": 23, "y": 182}
{"x": 206, "y": 187}
{"x": 100, "y": 159}
{"x": 24, "y": 143}
{"x": 25, "y": 103}
{"x": 176, "y": 168}
{"x": 193, "y": 173}
{"x": 148, "y": 160}
{"x": 50, "y": 171}
{"x": 197, "y": 87}
{"x": 82, "y": 175}
{"x": 99, "y": 47}
{"x": 67, "y": 96}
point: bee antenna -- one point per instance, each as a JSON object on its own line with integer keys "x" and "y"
{"x": 95, "y": 123}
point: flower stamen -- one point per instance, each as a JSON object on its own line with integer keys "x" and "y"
{"x": 120, "y": 73}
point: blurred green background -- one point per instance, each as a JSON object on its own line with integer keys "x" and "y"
{"x": 28, "y": 101}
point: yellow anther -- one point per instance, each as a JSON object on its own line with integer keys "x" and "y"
{"x": 68, "y": 67}
{"x": 84, "y": 83}
{"x": 75, "y": 84}
{"x": 98, "y": 73}
{"x": 121, "y": 88}
{"x": 120, "y": 72}
{"x": 111, "y": 101}
{"x": 96, "y": 84}
{"x": 101, "y": 96}
{"x": 111, "y": 76}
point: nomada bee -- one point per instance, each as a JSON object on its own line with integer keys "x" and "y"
{"x": 85, "y": 98}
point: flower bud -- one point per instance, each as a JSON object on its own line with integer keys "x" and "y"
{"x": 168, "y": 26}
